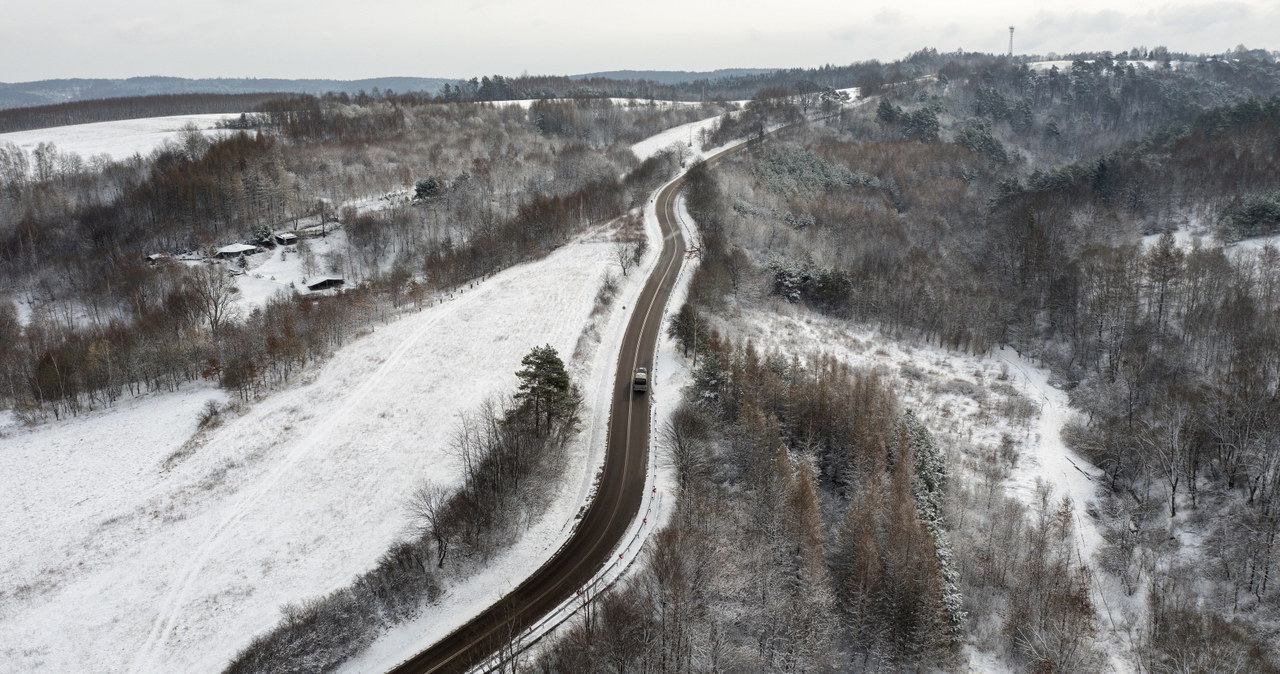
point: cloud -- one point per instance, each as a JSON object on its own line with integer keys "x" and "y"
{"x": 286, "y": 38}
{"x": 1193, "y": 27}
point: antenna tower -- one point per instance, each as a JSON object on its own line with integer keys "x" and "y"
{"x": 1010, "y": 41}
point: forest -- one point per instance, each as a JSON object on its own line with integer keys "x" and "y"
{"x": 508, "y": 184}
{"x": 1101, "y": 220}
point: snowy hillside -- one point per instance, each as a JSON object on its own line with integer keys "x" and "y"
{"x": 140, "y": 560}
{"x": 189, "y": 543}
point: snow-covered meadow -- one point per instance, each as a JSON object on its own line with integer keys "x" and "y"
{"x": 133, "y": 560}
{"x": 149, "y": 545}
{"x": 119, "y": 139}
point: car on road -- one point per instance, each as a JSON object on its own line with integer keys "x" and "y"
{"x": 640, "y": 382}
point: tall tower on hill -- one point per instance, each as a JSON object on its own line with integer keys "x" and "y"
{"x": 1010, "y": 41}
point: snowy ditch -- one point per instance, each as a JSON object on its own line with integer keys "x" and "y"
{"x": 670, "y": 376}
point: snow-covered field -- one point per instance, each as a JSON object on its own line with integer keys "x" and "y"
{"x": 128, "y": 566}
{"x": 118, "y": 139}
{"x": 149, "y": 547}
{"x": 1188, "y": 238}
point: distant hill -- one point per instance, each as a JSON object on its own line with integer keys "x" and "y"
{"x": 47, "y": 92}
{"x": 673, "y": 76}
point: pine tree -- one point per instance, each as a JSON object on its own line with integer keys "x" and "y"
{"x": 545, "y": 393}
{"x": 888, "y": 113}
{"x": 929, "y": 486}
{"x": 1163, "y": 267}
{"x": 858, "y": 569}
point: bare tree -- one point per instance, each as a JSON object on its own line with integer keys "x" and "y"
{"x": 684, "y": 440}
{"x": 625, "y": 253}
{"x": 428, "y": 507}
{"x": 1166, "y": 439}
{"x": 214, "y": 292}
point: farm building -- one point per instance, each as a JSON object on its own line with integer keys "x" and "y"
{"x": 325, "y": 283}
{"x": 235, "y": 250}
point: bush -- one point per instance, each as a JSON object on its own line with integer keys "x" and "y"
{"x": 1258, "y": 215}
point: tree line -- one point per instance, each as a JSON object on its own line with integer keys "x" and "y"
{"x": 129, "y": 107}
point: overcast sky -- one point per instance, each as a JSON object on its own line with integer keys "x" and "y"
{"x": 41, "y": 39}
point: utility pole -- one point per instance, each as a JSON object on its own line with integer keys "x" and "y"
{"x": 1010, "y": 41}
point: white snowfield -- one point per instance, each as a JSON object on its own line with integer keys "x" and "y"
{"x": 119, "y": 139}
{"x": 126, "y": 566}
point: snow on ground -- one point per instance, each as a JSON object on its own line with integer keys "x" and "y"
{"x": 127, "y": 566}
{"x": 1040, "y": 66}
{"x": 1183, "y": 238}
{"x": 174, "y": 559}
{"x": 119, "y": 139}
{"x": 1049, "y": 460}
{"x": 526, "y": 103}
{"x": 958, "y": 397}
{"x": 687, "y": 136}
{"x": 545, "y": 536}
{"x": 1192, "y": 238}
{"x": 669, "y": 376}
{"x": 1254, "y": 245}
{"x": 282, "y": 270}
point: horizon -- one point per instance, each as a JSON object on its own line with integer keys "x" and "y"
{"x": 287, "y": 39}
{"x": 1047, "y": 56}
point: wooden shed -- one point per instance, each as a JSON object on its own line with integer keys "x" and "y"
{"x": 325, "y": 283}
{"x": 235, "y": 250}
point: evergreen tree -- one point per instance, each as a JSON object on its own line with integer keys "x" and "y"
{"x": 428, "y": 188}
{"x": 810, "y": 601}
{"x": 888, "y": 113}
{"x": 545, "y": 394}
{"x": 921, "y": 125}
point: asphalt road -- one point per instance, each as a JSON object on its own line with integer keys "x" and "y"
{"x": 619, "y": 494}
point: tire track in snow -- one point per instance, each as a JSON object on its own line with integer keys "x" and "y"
{"x": 165, "y": 623}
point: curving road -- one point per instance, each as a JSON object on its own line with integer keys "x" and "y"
{"x": 621, "y": 485}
